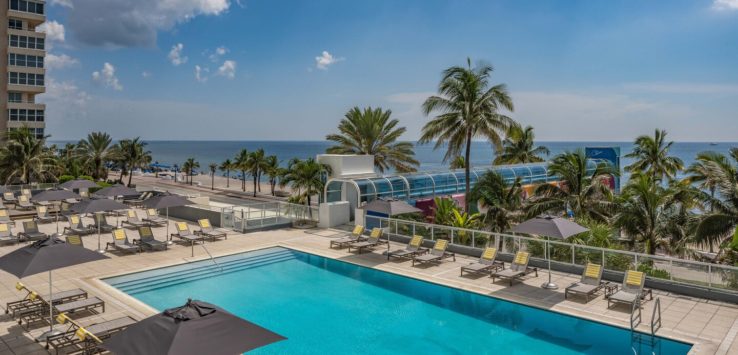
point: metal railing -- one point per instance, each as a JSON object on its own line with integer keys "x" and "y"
{"x": 34, "y": 186}
{"x": 262, "y": 214}
{"x": 635, "y": 313}
{"x": 664, "y": 268}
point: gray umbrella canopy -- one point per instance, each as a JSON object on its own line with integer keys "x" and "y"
{"x": 550, "y": 226}
{"x": 45, "y": 255}
{"x": 117, "y": 190}
{"x": 195, "y": 328}
{"x": 78, "y": 184}
{"x": 391, "y": 207}
{"x": 166, "y": 201}
{"x": 54, "y": 195}
{"x": 101, "y": 205}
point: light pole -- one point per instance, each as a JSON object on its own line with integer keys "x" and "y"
{"x": 175, "y": 172}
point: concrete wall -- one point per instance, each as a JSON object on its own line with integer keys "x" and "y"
{"x": 348, "y": 165}
{"x": 193, "y": 214}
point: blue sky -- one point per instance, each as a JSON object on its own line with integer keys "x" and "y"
{"x": 289, "y": 70}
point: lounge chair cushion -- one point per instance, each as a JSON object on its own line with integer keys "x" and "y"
{"x": 582, "y": 288}
{"x": 509, "y": 273}
{"x": 79, "y": 304}
{"x": 624, "y": 297}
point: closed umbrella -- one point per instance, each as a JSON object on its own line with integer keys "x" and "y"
{"x": 54, "y": 196}
{"x": 45, "y": 256}
{"x": 95, "y": 206}
{"x": 549, "y": 227}
{"x": 78, "y": 184}
{"x": 196, "y": 328}
{"x": 166, "y": 201}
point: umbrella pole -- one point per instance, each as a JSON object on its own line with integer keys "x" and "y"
{"x": 99, "y": 247}
{"x": 51, "y": 308}
{"x": 168, "y": 237}
{"x": 549, "y": 285}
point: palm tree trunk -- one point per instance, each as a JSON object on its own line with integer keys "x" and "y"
{"x": 243, "y": 180}
{"x": 466, "y": 170}
{"x": 212, "y": 181}
{"x": 256, "y": 176}
{"x": 259, "y": 178}
{"x": 228, "y": 179}
{"x": 130, "y": 177}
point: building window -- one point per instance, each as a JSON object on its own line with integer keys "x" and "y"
{"x": 13, "y": 114}
{"x": 22, "y": 60}
{"x": 27, "y": 6}
{"x": 26, "y": 42}
{"x": 26, "y": 79}
{"x": 15, "y": 97}
{"x": 15, "y": 24}
{"x": 21, "y": 115}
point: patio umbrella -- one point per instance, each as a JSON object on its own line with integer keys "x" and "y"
{"x": 45, "y": 256}
{"x": 166, "y": 201}
{"x": 54, "y": 196}
{"x": 78, "y": 184}
{"x": 116, "y": 190}
{"x": 195, "y": 328}
{"x": 95, "y": 206}
{"x": 549, "y": 227}
{"x": 390, "y": 207}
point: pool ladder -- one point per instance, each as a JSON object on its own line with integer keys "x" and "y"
{"x": 220, "y": 268}
{"x": 635, "y": 319}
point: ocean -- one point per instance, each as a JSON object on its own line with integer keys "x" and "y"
{"x": 206, "y": 152}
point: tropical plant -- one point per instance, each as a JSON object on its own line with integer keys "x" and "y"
{"x": 226, "y": 166}
{"x": 213, "y": 168}
{"x": 443, "y": 210}
{"x": 68, "y": 161}
{"x": 519, "y": 147}
{"x": 652, "y": 157}
{"x": 468, "y": 107}
{"x": 307, "y": 178}
{"x": 133, "y": 155}
{"x": 373, "y": 132}
{"x": 25, "y": 158}
{"x": 706, "y": 173}
{"x": 719, "y": 224}
{"x": 256, "y": 164}
{"x": 273, "y": 171}
{"x": 241, "y": 162}
{"x": 581, "y": 189}
{"x": 189, "y": 167}
{"x": 501, "y": 203}
{"x": 458, "y": 162}
{"x": 96, "y": 151}
{"x": 465, "y": 220}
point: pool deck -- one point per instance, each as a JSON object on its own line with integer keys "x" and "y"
{"x": 711, "y": 326}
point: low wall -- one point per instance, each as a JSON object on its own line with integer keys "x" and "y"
{"x": 193, "y": 214}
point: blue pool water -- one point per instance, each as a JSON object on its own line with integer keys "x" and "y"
{"x": 327, "y": 306}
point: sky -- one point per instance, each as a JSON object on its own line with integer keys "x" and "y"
{"x": 587, "y": 70}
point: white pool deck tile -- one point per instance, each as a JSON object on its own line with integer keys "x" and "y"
{"x": 711, "y": 326}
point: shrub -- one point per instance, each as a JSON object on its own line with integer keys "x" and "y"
{"x": 65, "y": 178}
{"x": 86, "y": 177}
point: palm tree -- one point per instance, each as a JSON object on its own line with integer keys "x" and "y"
{"x": 458, "y": 162}
{"x": 24, "y": 158}
{"x": 241, "y": 162}
{"x": 519, "y": 147}
{"x": 467, "y": 108}
{"x": 581, "y": 189}
{"x": 651, "y": 156}
{"x": 189, "y": 166}
{"x": 720, "y": 223}
{"x": 133, "y": 155}
{"x": 68, "y": 159}
{"x": 256, "y": 164}
{"x": 226, "y": 166}
{"x": 372, "y": 131}
{"x": 502, "y": 201}
{"x": 306, "y": 176}
{"x": 213, "y": 168}
{"x": 705, "y": 173}
{"x": 95, "y": 151}
{"x": 273, "y": 171}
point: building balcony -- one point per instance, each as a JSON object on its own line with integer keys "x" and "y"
{"x": 27, "y": 88}
{"x": 27, "y": 51}
{"x": 29, "y": 70}
{"x": 27, "y": 105}
{"x": 29, "y": 33}
{"x": 19, "y": 124}
{"x": 33, "y": 19}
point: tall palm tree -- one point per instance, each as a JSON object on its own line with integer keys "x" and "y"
{"x": 213, "y": 168}
{"x": 273, "y": 171}
{"x": 133, "y": 155}
{"x": 226, "y": 166}
{"x": 95, "y": 151}
{"x": 256, "y": 164}
{"x": 68, "y": 161}
{"x": 189, "y": 166}
{"x": 458, "y": 162}
{"x": 372, "y": 131}
{"x": 241, "y": 162}
{"x": 468, "y": 107}
{"x": 519, "y": 147}
{"x": 503, "y": 202}
{"x": 706, "y": 173}
{"x": 25, "y": 158}
{"x": 580, "y": 189}
{"x": 651, "y": 156}
{"x": 720, "y": 223}
{"x": 306, "y": 176}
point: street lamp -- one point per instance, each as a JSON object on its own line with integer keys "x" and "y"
{"x": 176, "y": 167}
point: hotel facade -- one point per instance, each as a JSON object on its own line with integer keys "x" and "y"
{"x": 22, "y": 69}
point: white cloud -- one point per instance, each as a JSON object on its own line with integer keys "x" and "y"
{"x": 228, "y": 69}
{"x": 175, "y": 55}
{"x": 725, "y": 5}
{"x": 145, "y": 74}
{"x": 107, "y": 77}
{"x": 200, "y": 74}
{"x": 54, "y": 31}
{"x": 54, "y": 61}
{"x": 64, "y": 92}
{"x": 64, "y": 3}
{"x": 131, "y": 23}
{"x": 682, "y": 88}
{"x": 326, "y": 59}
{"x": 219, "y": 52}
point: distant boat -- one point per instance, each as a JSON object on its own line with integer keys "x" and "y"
{"x": 713, "y": 143}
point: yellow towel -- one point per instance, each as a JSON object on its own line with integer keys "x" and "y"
{"x": 441, "y": 244}
{"x": 358, "y": 230}
{"x": 204, "y": 223}
{"x": 119, "y": 234}
{"x": 151, "y": 212}
{"x": 3, "y": 227}
{"x": 145, "y": 231}
{"x": 74, "y": 219}
{"x": 132, "y": 213}
{"x": 74, "y": 239}
{"x": 41, "y": 209}
{"x": 633, "y": 278}
{"x": 376, "y": 233}
{"x": 521, "y": 258}
{"x": 416, "y": 241}
{"x": 181, "y": 226}
{"x": 61, "y": 318}
{"x": 3, "y": 213}
{"x": 592, "y": 270}
{"x": 489, "y": 253}
{"x": 81, "y": 333}
{"x": 19, "y": 286}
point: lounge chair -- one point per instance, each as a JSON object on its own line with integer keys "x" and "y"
{"x": 147, "y": 239}
{"x": 5, "y": 217}
{"x": 26, "y": 192}
{"x": 518, "y": 268}
{"x": 153, "y": 217}
{"x": 138, "y": 201}
{"x": 631, "y": 291}
{"x": 413, "y": 248}
{"x": 436, "y": 254}
{"x": 132, "y": 221}
{"x": 90, "y": 304}
{"x": 99, "y": 219}
{"x": 76, "y": 227}
{"x": 487, "y": 264}
{"x": 84, "y": 194}
{"x": 121, "y": 243}
{"x": 353, "y": 237}
{"x": 31, "y": 232}
{"x": 590, "y": 283}
{"x": 74, "y": 240}
{"x": 85, "y": 338}
{"x": 375, "y": 239}
{"x": 184, "y": 233}
{"x": 9, "y": 197}
{"x": 207, "y": 230}
{"x": 42, "y": 215}
{"x": 24, "y": 203}
{"x": 6, "y": 235}
{"x": 65, "y": 208}
{"x": 32, "y": 301}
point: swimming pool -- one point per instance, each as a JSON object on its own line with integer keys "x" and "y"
{"x": 327, "y": 306}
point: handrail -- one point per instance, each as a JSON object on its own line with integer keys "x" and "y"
{"x": 635, "y": 319}
{"x": 656, "y": 317}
